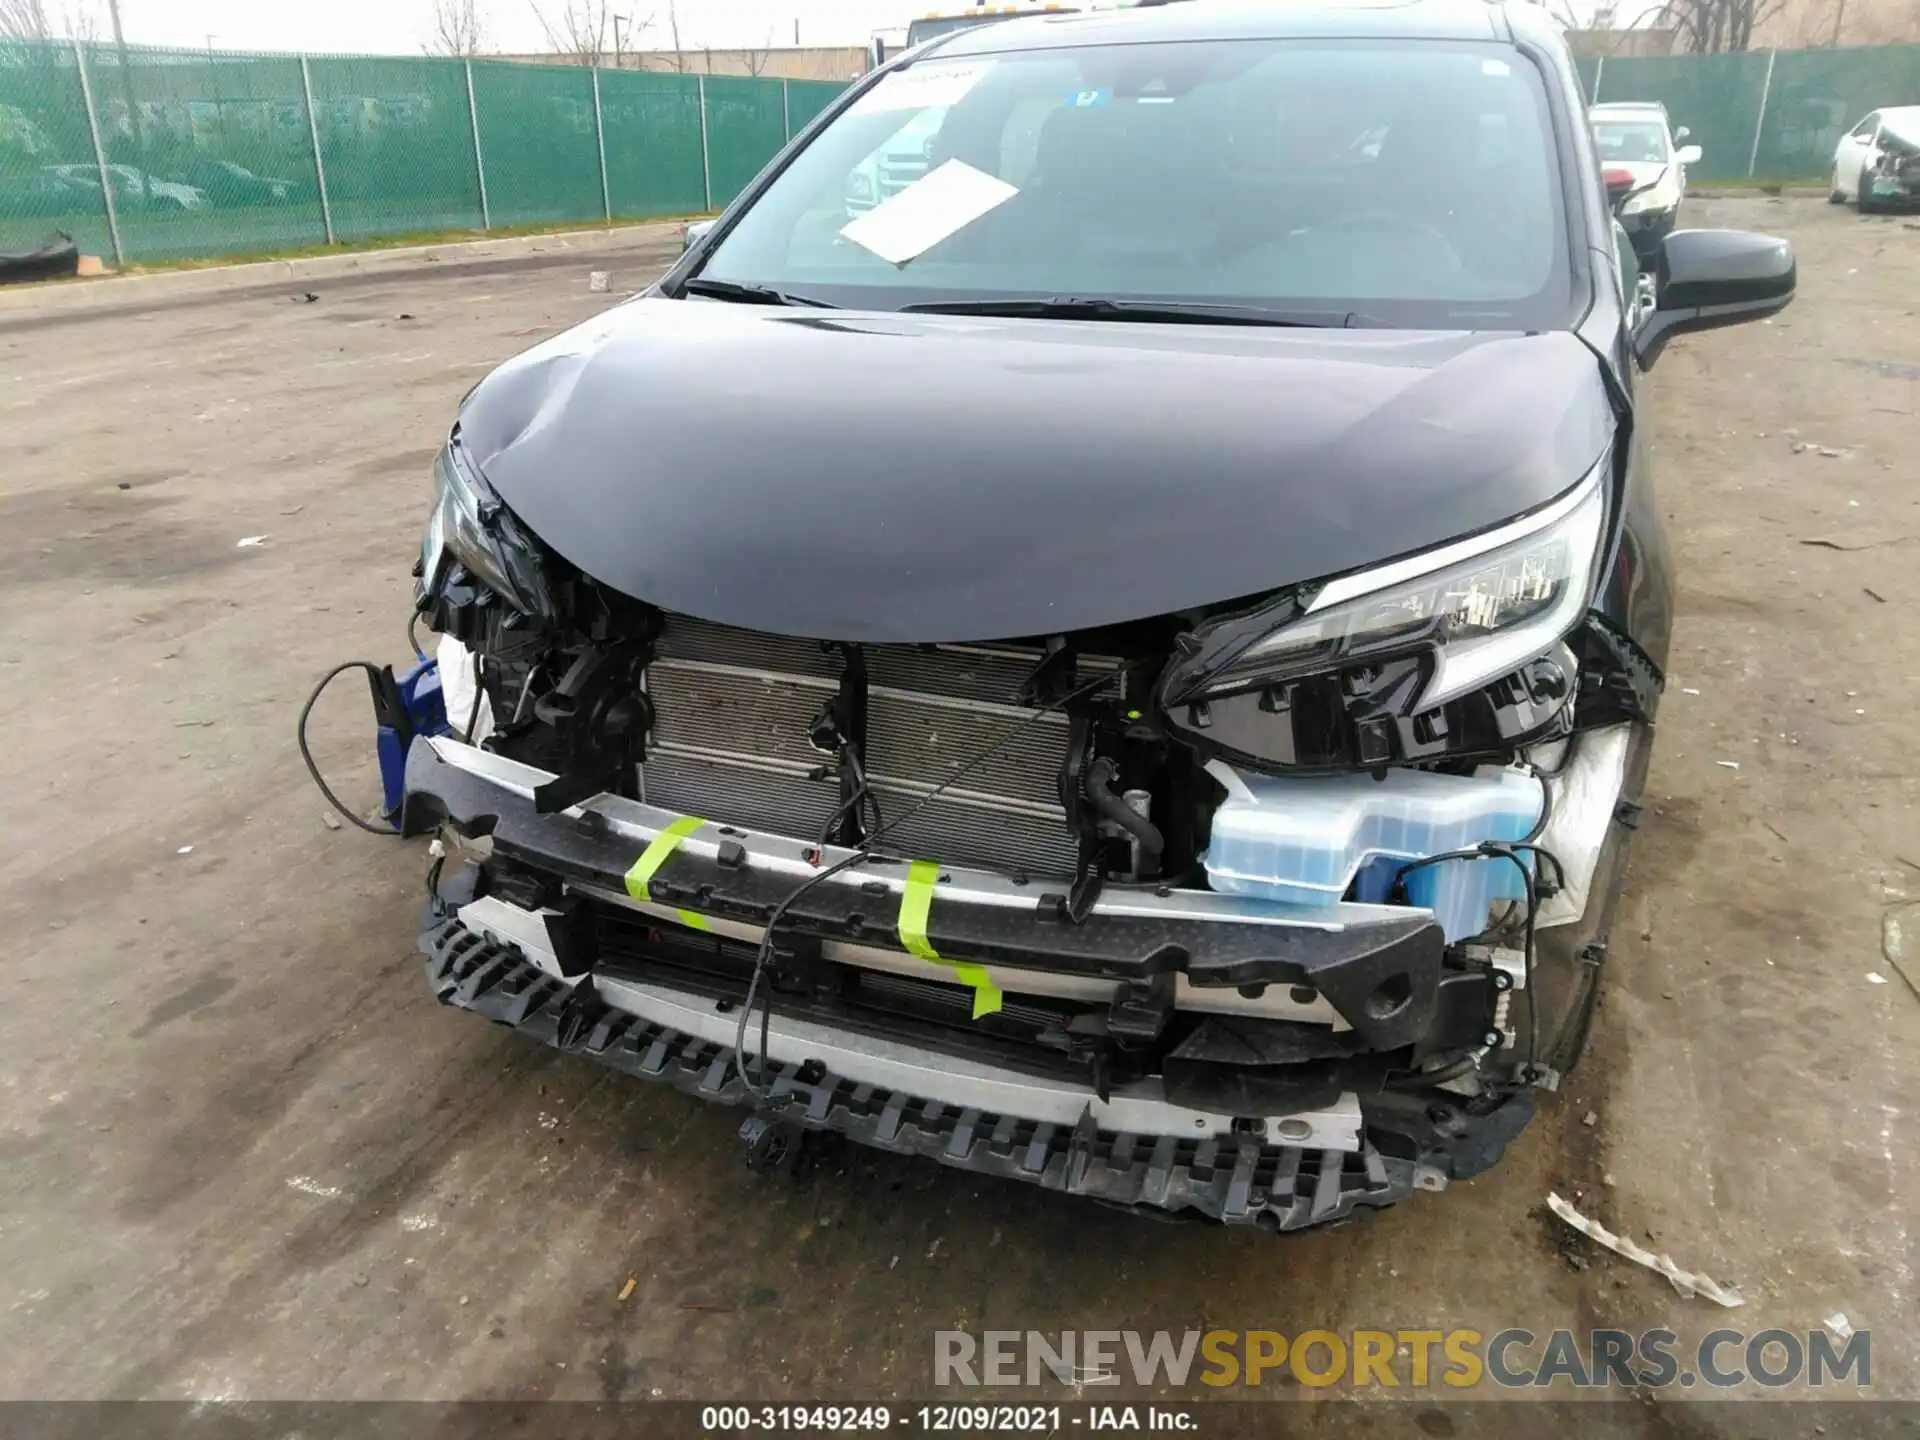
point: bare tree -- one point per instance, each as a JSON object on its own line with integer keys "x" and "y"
{"x": 584, "y": 30}
{"x": 25, "y": 20}
{"x": 32, "y": 20}
{"x": 755, "y": 61}
{"x": 457, "y": 29}
{"x": 1713, "y": 27}
{"x": 673, "y": 26}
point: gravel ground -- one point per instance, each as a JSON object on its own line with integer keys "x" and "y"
{"x": 244, "y": 1154}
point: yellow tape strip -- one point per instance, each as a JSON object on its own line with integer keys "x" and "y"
{"x": 654, "y": 856}
{"x": 922, "y": 876}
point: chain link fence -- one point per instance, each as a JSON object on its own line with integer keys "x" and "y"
{"x": 1765, "y": 115}
{"x": 157, "y": 155}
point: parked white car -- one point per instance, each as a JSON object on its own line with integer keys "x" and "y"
{"x": 1877, "y": 163}
{"x": 896, "y": 164}
{"x": 129, "y": 182}
{"x": 1636, "y": 137}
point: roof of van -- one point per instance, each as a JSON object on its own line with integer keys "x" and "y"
{"x": 1258, "y": 19}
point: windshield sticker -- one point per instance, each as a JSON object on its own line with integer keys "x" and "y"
{"x": 922, "y": 87}
{"x": 1089, "y": 99}
{"x": 941, "y": 202}
{"x": 1494, "y": 67}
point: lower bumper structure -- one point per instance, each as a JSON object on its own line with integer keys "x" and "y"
{"x": 1173, "y": 1050}
{"x": 1239, "y": 1178}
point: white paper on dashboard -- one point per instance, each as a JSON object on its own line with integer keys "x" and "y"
{"x": 922, "y": 86}
{"x": 946, "y": 199}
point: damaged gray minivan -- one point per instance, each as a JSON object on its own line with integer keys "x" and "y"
{"x": 1127, "y": 665}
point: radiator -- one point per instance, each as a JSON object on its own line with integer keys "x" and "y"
{"x": 732, "y": 710}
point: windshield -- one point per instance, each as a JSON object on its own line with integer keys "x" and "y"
{"x": 1631, "y": 141}
{"x": 1413, "y": 183}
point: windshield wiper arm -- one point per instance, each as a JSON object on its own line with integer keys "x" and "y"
{"x": 742, "y": 294}
{"x": 1149, "y": 312}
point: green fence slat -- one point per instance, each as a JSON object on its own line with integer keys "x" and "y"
{"x": 807, "y": 98}
{"x": 537, "y": 136}
{"x": 746, "y": 126}
{"x": 398, "y": 145}
{"x": 1589, "y": 69}
{"x": 1716, "y": 97}
{"x": 211, "y": 153}
{"x": 208, "y": 153}
{"x": 1819, "y": 95}
{"x": 653, "y": 143}
{"x": 49, "y": 183}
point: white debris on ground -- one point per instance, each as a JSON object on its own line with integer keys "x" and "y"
{"x": 1685, "y": 1281}
{"x": 307, "y": 1185}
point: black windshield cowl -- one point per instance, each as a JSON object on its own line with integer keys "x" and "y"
{"x": 1146, "y": 312}
{"x": 740, "y": 294}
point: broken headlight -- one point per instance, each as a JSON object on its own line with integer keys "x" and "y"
{"x": 1662, "y": 194}
{"x": 1474, "y": 610}
{"x": 469, "y": 526}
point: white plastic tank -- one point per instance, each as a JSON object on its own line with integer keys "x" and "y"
{"x": 1308, "y": 841}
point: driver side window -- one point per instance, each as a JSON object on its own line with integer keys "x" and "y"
{"x": 1866, "y": 128}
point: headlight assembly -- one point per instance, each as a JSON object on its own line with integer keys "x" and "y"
{"x": 469, "y": 526}
{"x": 1470, "y": 612}
{"x": 1652, "y": 198}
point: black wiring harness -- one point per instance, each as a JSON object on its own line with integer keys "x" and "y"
{"x": 306, "y": 752}
{"x": 373, "y": 673}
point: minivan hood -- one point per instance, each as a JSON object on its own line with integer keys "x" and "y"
{"x": 882, "y": 477}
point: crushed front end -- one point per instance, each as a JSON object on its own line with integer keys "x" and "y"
{"x": 1267, "y": 913}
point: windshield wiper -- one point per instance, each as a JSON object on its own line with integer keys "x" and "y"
{"x": 1148, "y": 312}
{"x": 742, "y": 294}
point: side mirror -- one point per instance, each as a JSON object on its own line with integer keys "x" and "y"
{"x": 1704, "y": 279}
{"x": 1687, "y": 154}
{"x": 691, "y": 233}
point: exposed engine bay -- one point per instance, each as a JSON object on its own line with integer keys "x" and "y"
{"x": 1298, "y": 906}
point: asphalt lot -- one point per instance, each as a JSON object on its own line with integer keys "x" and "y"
{"x": 244, "y": 1154}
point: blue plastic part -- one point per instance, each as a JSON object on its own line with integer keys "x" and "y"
{"x": 423, "y": 712}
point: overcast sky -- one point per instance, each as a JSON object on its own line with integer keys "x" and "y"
{"x": 402, "y": 26}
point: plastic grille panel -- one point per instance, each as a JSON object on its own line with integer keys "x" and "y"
{"x": 1239, "y": 1181}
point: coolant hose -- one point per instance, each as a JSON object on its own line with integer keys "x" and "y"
{"x": 1100, "y": 777}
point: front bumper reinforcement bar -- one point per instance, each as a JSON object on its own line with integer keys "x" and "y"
{"x": 1377, "y": 966}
